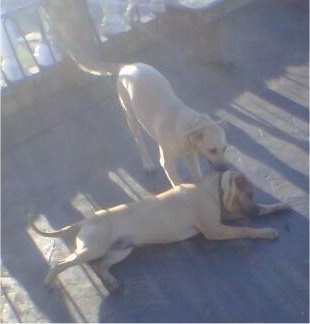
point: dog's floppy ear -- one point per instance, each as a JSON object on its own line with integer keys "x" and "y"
{"x": 240, "y": 181}
{"x": 196, "y": 133}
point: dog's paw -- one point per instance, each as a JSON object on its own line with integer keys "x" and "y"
{"x": 282, "y": 207}
{"x": 48, "y": 284}
{"x": 112, "y": 285}
{"x": 50, "y": 277}
{"x": 269, "y": 234}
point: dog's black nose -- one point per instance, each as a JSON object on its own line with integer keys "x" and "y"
{"x": 221, "y": 166}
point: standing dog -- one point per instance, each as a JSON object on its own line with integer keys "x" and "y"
{"x": 171, "y": 216}
{"x": 149, "y": 100}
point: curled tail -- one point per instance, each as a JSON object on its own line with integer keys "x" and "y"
{"x": 96, "y": 68}
{"x": 71, "y": 230}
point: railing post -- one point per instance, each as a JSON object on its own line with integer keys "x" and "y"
{"x": 11, "y": 65}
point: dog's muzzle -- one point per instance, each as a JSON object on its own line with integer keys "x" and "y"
{"x": 220, "y": 166}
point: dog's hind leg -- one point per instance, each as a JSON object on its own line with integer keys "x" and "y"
{"x": 135, "y": 128}
{"x": 134, "y": 125}
{"x": 102, "y": 266}
{"x": 70, "y": 261}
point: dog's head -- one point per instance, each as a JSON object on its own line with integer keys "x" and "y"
{"x": 237, "y": 195}
{"x": 208, "y": 138}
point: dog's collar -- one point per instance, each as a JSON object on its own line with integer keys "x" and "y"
{"x": 221, "y": 195}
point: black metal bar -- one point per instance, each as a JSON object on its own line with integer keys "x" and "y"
{"x": 6, "y": 80}
{"x": 12, "y": 45}
{"x": 93, "y": 26}
{"x": 26, "y": 42}
{"x": 9, "y": 19}
{"x": 43, "y": 33}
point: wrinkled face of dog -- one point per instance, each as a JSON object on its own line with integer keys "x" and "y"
{"x": 238, "y": 195}
{"x": 209, "y": 139}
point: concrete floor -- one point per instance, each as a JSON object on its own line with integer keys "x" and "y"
{"x": 86, "y": 150}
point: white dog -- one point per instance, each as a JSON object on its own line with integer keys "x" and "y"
{"x": 149, "y": 100}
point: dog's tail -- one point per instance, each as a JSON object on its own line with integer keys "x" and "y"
{"x": 96, "y": 68}
{"x": 69, "y": 231}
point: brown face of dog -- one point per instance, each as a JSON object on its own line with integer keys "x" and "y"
{"x": 238, "y": 195}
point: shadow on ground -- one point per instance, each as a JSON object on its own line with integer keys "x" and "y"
{"x": 265, "y": 103}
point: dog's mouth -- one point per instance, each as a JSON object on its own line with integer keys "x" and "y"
{"x": 219, "y": 166}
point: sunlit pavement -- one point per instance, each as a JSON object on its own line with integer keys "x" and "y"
{"x": 88, "y": 155}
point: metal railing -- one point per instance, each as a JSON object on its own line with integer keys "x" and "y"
{"x": 27, "y": 45}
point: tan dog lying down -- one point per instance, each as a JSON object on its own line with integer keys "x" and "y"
{"x": 171, "y": 216}
{"x": 180, "y": 132}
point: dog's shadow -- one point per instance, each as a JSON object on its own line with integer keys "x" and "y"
{"x": 157, "y": 284}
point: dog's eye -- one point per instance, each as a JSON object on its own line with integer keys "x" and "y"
{"x": 213, "y": 150}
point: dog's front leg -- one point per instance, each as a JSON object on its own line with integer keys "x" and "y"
{"x": 193, "y": 165}
{"x": 102, "y": 266}
{"x": 267, "y": 209}
{"x": 225, "y": 232}
{"x": 102, "y": 272}
{"x": 169, "y": 164}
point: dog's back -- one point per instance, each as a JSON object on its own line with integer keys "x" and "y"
{"x": 146, "y": 93}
